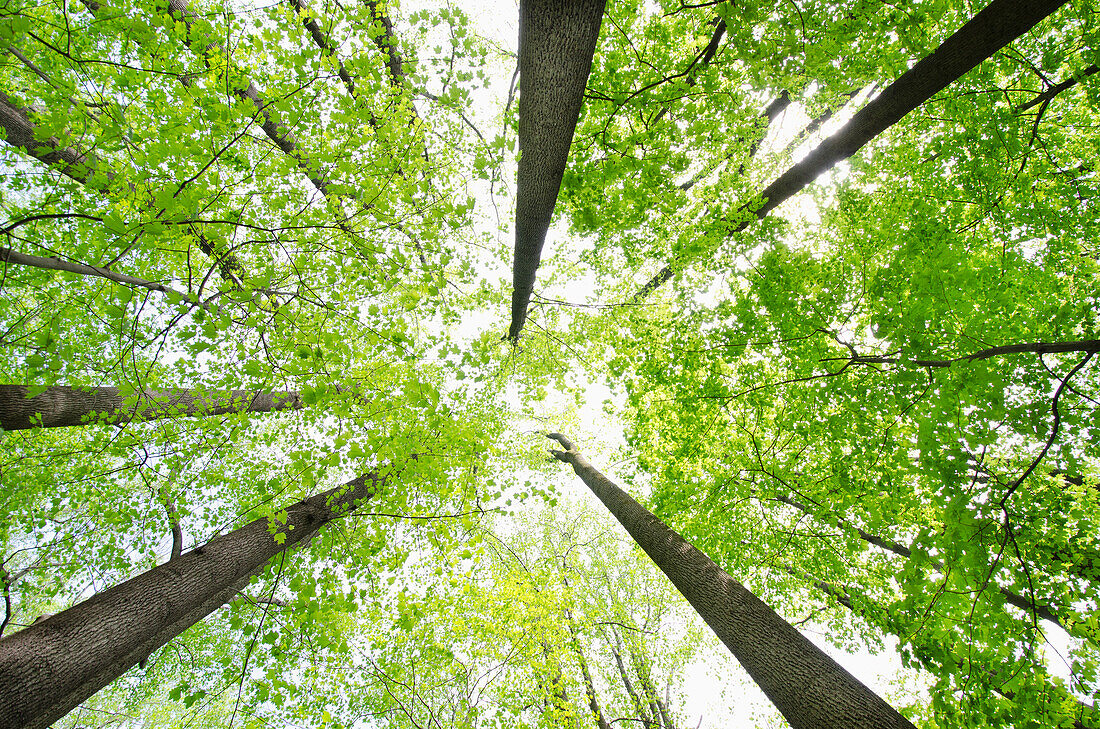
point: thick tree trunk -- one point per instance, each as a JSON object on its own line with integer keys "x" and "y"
{"x": 810, "y": 689}
{"x": 19, "y": 132}
{"x": 61, "y": 406}
{"x": 52, "y": 666}
{"x": 556, "y": 41}
{"x": 1000, "y": 23}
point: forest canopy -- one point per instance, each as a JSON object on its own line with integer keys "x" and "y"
{"x": 291, "y": 293}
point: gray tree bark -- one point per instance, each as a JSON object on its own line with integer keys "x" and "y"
{"x": 997, "y": 25}
{"x": 19, "y": 131}
{"x": 61, "y": 405}
{"x": 49, "y": 668}
{"x": 556, "y": 41}
{"x": 810, "y": 689}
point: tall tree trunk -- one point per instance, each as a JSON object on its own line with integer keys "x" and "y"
{"x": 52, "y": 666}
{"x": 556, "y": 41}
{"x": 61, "y": 405}
{"x": 645, "y": 678}
{"x": 589, "y": 685}
{"x": 639, "y": 707}
{"x": 810, "y": 689}
{"x": 557, "y": 697}
{"x": 1000, "y": 23}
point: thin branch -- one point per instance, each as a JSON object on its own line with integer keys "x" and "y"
{"x": 7, "y": 255}
{"x": 1053, "y": 430}
{"x": 1046, "y": 96}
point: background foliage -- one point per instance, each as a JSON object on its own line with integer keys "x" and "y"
{"x": 325, "y": 192}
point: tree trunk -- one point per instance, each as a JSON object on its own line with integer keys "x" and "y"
{"x": 810, "y": 689}
{"x": 645, "y": 678}
{"x": 1000, "y": 23}
{"x": 641, "y": 670}
{"x": 639, "y": 707}
{"x": 61, "y": 406}
{"x": 19, "y": 132}
{"x": 589, "y": 685}
{"x": 52, "y": 666}
{"x": 699, "y": 64}
{"x": 557, "y": 697}
{"x": 324, "y": 42}
{"x": 556, "y": 41}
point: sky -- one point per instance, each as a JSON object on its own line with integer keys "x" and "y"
{"x": 718, "y": 692}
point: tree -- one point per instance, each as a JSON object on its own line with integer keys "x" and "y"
{"x": 998, "y": 24}
{"x": 60, "y": 406}
{"x": 556, "y": 42}
{"x": 865, "y": 404}
{"x": 127, "y": 156}
{"x": 808, "y": 687}
{"x": 54, "y": 665}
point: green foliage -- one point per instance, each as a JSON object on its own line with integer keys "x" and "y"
{"x": 800, "y": 398}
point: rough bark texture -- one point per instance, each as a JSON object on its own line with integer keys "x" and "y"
{"x": 556, "y": 41}
{"x": 61, "y": 406}
{"x": 52, "y": 666}
{"x": 810, "y": 689}
{"x": 19, "y": 132}
{"x": 1000, "y": 23}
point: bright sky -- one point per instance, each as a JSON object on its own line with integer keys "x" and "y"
{"x": 718, "y": 691}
